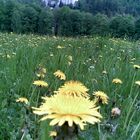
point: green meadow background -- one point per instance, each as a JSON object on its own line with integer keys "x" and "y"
{"x": 22, "y": 55}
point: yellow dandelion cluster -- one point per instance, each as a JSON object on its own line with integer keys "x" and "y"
{"x": 116, "y": 81}
{"x": 101, "y": 97}
{"x": 60, "y": 75}
{"x": 72, "y": 109}
{"x": 74, "y": 88}
{"x": 22, "y": 100}
{"x": 40, "y": 83}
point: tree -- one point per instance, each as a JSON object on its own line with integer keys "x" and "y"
{"x": 122, "y": 26}
{"x": 16, "y": 23}
{"x": 8, "y": 8}
{"x": 75, "y": 18}
{"x": 87, "y": 23}
{"x": 45, "y": 22}
{"x": 29, "y": 20}
{"x": 100, "y": 24}
{"x": 137, "y": 28}
{"x": 62, "y": 21}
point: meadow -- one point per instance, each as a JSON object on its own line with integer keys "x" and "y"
{"x": 93, "y": 61}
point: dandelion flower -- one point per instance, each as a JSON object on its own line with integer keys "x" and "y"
{"x": 70, "y": 58}
{"x": 22, "y": 100}
{"x": 74, "y": 88}
{"x": 136, "y": 66}
{"x": 116, "y": 81}
{"x": 70, "y": 109}
{"x": 137, "y": 82}
{"x": 133, "y": 59}
{"x": 40, "y": 83}
{"x": 60, "y": 47}
{"x": 104, "y": 72}
{"x": 115, "y": 111}
{"x": 41, "y": 73}
{"x": 51, "y": 54}
{"x": 101, "y": 96}
{"x": 53, "y": 134}
{"x": 60, "y": 75}
{"x": 8, "y": 56}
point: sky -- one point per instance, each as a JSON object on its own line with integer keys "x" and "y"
{"x": 64, "y": 1}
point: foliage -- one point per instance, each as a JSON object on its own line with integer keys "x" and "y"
{"x": 110, "y": 7}
{"x": 23, "y": 16}
{"x": 122, "y": 26}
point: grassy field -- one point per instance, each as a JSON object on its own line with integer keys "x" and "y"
{"x": 93, "y": 61}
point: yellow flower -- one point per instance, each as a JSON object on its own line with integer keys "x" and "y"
{"x": 70, "y": 58}
{"x": 137, "y": 82}
{"x": 71, "y": 109}
{"x": 104, "y": 72}
{"x": 53, "y": 134}
{"x": 74, "y": 88}
{"x": 60, "y": 75}
{"x": 69, "y": 63}
{"x": 43, "y": 70}
{"x": 101, "y": 96}
{"x": 41, "y": 73}
{"x": 40, "y": 83}
{"x": 22, "y": 100}
{"x": 116, "y": 81}
{"x": 136, "y": 66}
{"x": 51, "y": 54}
{"x": 8, "y": 56}
{"x": 133, "y": 59}
{"x": 60, "y": 47}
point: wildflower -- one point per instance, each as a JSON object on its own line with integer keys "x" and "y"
{"x": 74, "y": 88}
{"x": 69, "y": 63}
{"x": 74, "y": 110}
{"x": 101, "y": 97}
{"x": 54, "y": 37}
{"x": 60, "y": 75}
{"x": 53, "y": 134}
{"x": 41, "y": 73}
{"x": 51, "y": 54}
{"x": 116, "y": 81}
{"x": 8, "y": 56}
{"x": 60, "y": 47}
{"x": 133, "y": 59}
{"x": 100, "y": 56}
{"x": 115, "y": 111}
{"x": 70, "y": 58}
{"x": 137, "y": 82}
{"x": 136, "y": 66}
{"x": 104, "y": 72}
{"x": 22, "y": 100}
{"x": 40, "y": 83}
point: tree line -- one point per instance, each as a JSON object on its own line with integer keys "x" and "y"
{"x": 110, "y": 7}
{"x": 37, "y": 18}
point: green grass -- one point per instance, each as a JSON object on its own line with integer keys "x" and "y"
{"x": 20, "y": 57}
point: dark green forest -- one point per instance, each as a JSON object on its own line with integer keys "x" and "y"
{"x": 117, "y": 18}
